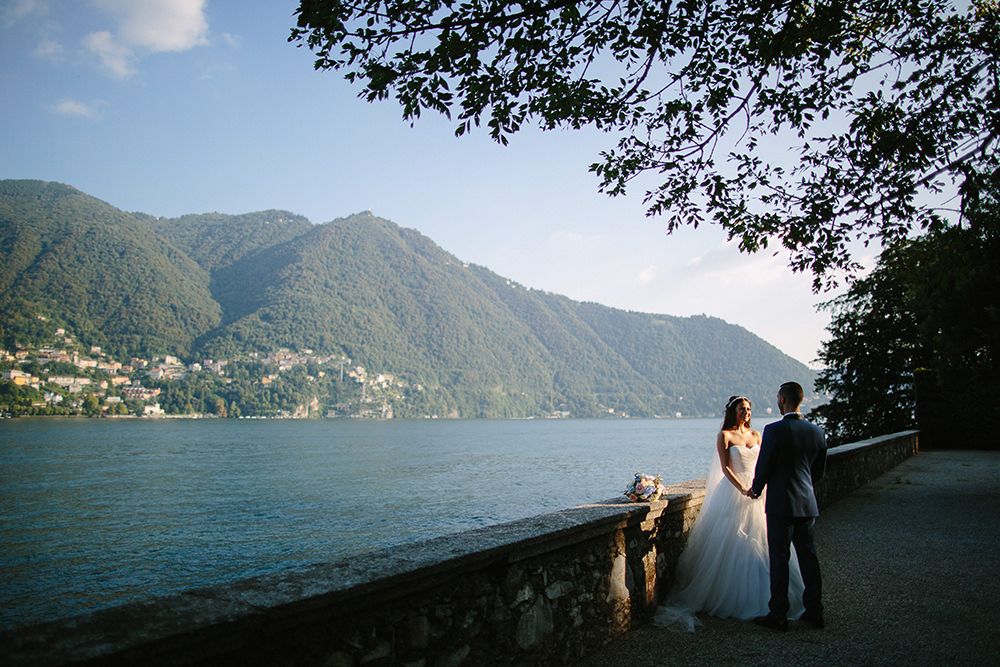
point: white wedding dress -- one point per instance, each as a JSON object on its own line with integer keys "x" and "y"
{"x": 723, "y": 570}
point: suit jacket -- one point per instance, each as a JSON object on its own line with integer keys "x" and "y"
{"x": 792, "y": 458}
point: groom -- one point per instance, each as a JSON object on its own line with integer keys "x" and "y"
{"x": 792, "y": 458}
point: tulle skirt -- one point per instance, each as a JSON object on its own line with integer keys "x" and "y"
{"x": 723, "y": 570}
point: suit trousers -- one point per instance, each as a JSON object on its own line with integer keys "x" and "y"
{"x": 782, "y": 532}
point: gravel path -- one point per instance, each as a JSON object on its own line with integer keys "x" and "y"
{"x": 910, "y": 577}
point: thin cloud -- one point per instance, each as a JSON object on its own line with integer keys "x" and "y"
{"x": 647, "y": 275}
{"x": 696, "y": 260}
{"x": 159, "y": 26}
{"x": 77, "y": 109}
{"x": 20, "y": 8}
{"x": 231, "y": 40}
{"x": 753, "y": 271}
{"x": 146, "y": 26}
{"x": 115, "y": 59}
{"x": 726, "y": 266}
{"x": 49, "y": 49}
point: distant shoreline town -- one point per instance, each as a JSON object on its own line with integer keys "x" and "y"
{"x": 65, "y": 378}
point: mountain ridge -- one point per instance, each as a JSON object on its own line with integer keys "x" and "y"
{"x": 369, "y": 290}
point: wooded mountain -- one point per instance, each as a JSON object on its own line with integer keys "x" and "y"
{"x": 385, "y": 297}
{"x": 98, "y": 271}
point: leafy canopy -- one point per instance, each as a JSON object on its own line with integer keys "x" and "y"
{"x": 926, "y": 320}
{"x": 862, "y": 105}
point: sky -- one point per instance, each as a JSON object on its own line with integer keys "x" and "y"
{"x": 171, "y": 107}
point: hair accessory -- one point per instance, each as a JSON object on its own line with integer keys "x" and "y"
{"x": 735, "y": 399}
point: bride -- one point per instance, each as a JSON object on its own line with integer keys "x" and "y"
{"x": 724, "y": 568}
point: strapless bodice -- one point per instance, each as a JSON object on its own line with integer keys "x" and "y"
{"x": 742, "y": 460}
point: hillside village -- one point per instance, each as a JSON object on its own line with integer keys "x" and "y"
{"x": 64, "y": 377}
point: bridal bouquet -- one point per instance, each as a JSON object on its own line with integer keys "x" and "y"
{"x": 645, "y": 488}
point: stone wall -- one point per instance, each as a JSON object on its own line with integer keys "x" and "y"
{"x": 539, "y": 591}
{"x": 853, "y": 465}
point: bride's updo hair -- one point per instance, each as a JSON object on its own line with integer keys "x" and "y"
{"x": 729, "y": 420}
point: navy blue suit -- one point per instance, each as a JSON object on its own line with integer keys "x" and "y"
{"x": 792, "y": 458}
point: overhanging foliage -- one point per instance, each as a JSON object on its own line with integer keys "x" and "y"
{"x": 816, "y": 124}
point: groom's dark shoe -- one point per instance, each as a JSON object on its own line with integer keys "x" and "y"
{"x": 815, "y": 620}
{"x": 773, "y": 622}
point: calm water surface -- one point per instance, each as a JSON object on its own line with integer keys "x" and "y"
{"x": 98, "y": 512}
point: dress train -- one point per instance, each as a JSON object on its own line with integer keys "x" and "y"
{"x": 723, "y": 570}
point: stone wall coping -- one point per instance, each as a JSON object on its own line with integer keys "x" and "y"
{"x": 207, "y": 615}
{"x": 855, "y": 447}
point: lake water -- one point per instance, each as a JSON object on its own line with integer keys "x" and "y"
{"x": 94, "y": 513}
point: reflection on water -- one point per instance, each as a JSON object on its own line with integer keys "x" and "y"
{"x": 97, "y": 512}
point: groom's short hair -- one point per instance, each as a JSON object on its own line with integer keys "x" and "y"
{"x": 792, "y": 391}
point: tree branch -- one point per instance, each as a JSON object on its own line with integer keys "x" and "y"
{"x": 444, "y": 24}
